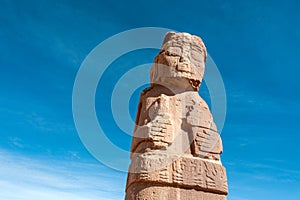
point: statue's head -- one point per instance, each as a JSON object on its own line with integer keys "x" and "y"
{"x": 180, "y": 63}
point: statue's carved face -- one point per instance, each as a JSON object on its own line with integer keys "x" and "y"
{"x": 182, "y": 57}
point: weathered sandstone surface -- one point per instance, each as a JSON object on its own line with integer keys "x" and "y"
{"x": 176, "y": 147}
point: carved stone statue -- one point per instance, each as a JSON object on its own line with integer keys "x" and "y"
{"x": 176, "y": 148}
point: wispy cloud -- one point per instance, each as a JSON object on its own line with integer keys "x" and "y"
{"x": 15, "y": 141}
{"x": 25, "y": 178}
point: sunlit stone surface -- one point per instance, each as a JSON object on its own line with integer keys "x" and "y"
{"x": 176, "y": 147}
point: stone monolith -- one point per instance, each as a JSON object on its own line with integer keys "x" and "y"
{"x": 175, "y": 152}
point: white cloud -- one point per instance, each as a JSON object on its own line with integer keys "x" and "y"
{"x": 24, "y": 178}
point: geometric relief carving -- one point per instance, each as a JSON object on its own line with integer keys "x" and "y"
{"x": 190, "y": 172}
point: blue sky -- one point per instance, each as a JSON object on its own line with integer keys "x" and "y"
{"x": 255, "y": 45}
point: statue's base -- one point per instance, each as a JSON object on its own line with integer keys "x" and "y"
{"x": 150, "y": 191}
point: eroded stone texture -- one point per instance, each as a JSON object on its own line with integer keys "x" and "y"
{"x": 154, "y": 191}
{"x": 186, "y": 172}
{"x": 176, "y": 148}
